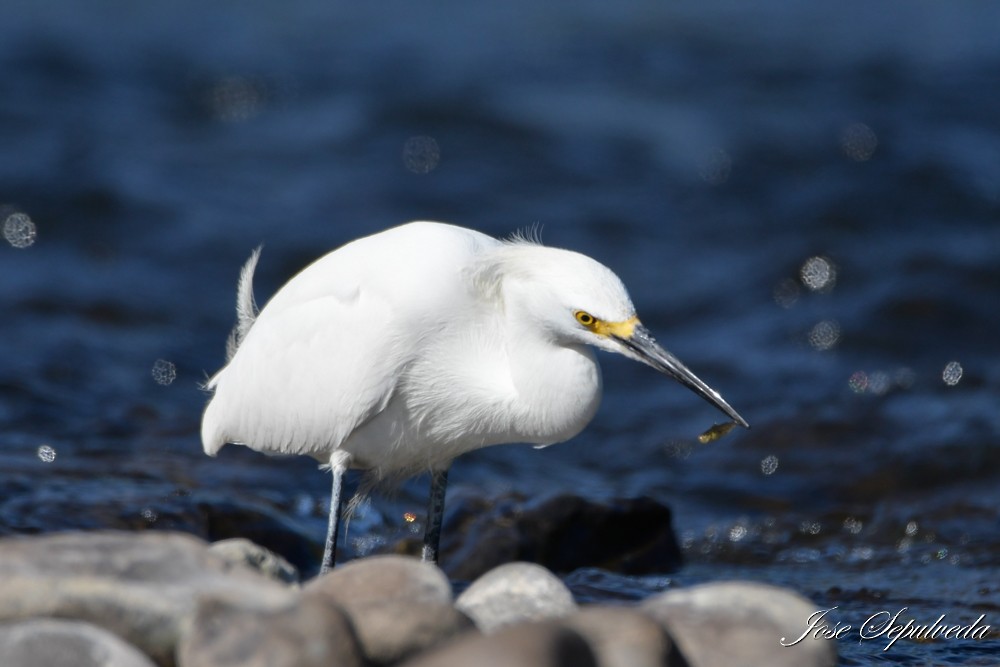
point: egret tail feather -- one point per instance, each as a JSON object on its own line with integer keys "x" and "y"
{"x": 246, "y": 305}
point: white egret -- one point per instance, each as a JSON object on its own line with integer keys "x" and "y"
{"x": 400, "y": 351}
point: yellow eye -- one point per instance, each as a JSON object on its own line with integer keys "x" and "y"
{"x": 585, "y": 318}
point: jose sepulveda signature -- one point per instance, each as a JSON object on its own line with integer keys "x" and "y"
{"x": 888, "y": 625}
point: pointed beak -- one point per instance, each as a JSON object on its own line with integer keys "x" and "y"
{"x": 641, "y": 346}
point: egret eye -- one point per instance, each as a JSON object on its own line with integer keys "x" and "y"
{"x": 585, "y": 318}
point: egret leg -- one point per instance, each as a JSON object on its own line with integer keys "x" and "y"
{"x": 435, "y": 515}
{"x": 338, "y": 466}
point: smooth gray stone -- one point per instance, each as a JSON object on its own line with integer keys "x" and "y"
{"x": 398, "y": 605}
{"x": 541, "y": 644}
{"x": 514, "y": 593}
{"x": 48, "y": 642}
{"x": 625, "y": 637}
{"x": 740, "y": 623}
{"x": 141, "y": 586}
{"x": 311, "y": 633}
{"x": 242, "y": 551}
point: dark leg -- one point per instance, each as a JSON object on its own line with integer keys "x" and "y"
{"x": 338, "y": 465}
{"x": 435, "y": 515}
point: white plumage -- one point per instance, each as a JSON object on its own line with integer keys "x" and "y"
{"x": 402, "y": 350}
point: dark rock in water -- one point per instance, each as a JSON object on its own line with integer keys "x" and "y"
{"x": 398, "y": 605}
{"x": 515, "y": 593}
{"x": 740, "y": 623}
{"x": 624, "y": 637}
{"x": 48, "y": 642}
{"x": 313, "y": 632}
{"x": 543, "y": 644}
{"x": 564, "y": 533}
{"x": 141, "y": 586}
{"x": 242, "y": 551}
{"x": 264, "y": 526}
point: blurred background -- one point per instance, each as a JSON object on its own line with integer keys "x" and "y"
{"x": 803, "y": 198}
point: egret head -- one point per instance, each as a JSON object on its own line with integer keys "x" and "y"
{"x": 578, "y": 300}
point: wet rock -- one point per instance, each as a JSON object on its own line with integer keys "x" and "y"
{"x": 312, "y": 632}
{"x": 47, "y": 642}
{"x": 729, "y": 623}
{"x": 141, "y": 586}
{"x": 398, "y": 605}
{"x": 563, "y": 533}
{"x": 543, "y": 644}
{"x": 513, "y": 593}
{"x": 624, "y": 637}
{"x": 242, "y": 551}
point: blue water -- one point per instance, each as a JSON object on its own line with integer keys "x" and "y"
{"x": 804, "y": 200}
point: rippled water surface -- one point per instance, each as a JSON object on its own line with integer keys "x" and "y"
{"x": 803, "y": 199}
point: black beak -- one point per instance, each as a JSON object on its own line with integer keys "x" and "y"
{"x": 642, "y": 347}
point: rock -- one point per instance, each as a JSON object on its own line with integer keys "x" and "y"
{"x": 513, "y": 593}
{"x": 398, "y": 605}
{"x": 242, "y": 551}
{"x": 543, "y": 644}
{"x": 563, "y": 533}
{"x": 141, "y": 586}
{"x": 625, "y": 637}
{"x": 729, "y": 623}
{"x": 313, "y": 632}
{"x": 47, "y": 642}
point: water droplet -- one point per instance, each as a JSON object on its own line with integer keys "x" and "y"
{"x": 46, "y": 453}
{"x": 19, "y": 230}
{"x": 164, "y": 372}
{"x": 818, "y": 274}
{"x": 858, "y": 142}
{"x": 715, "y": 167}
{"x": 421, "y": 154}
{"x": 825, "y": 335}
{"x": 952, "y": 373}
{"x": 769, "y": 464}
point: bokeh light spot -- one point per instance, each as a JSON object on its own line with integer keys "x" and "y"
{"x": 769, "y": 464}
{"x": 421, "y": 154}
{"x": 409, "y": 517}
{"x": 858, "y": 382}
{"x": 716, "y": 167}
{"x": 235, "y": 99}
{"x": 879, "y": 383}
{"x": 858, "y": 142}
{"x": 952, "y": 373}
{"x": 164, "y": 372}
{"x": 818, "y": 274}
{"x": 46, "y": 453}
{"x": 19, "y": 230}
{"x": 853, "y": 525}
{"x": 825, "y": 335}
{"x": 786, "y": 292}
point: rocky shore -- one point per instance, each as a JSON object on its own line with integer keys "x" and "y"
{"x": 117, "y": 599}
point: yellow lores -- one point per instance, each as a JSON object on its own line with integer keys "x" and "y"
{"x": 623, "y": 329}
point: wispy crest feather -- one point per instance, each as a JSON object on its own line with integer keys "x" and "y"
{"x": 246, "y": 305}
{"x": 528, "y": 236}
